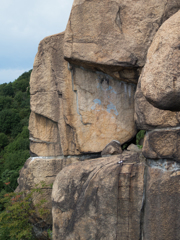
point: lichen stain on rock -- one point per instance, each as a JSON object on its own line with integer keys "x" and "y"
{"x": 102, "y": 105}
{"x": 96, "y": 101}
{"x": 110, "y": 107}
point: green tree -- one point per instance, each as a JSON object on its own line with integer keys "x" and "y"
{"x": 8, "y": 90}
{"x": 5, "y": 102}
{"x": 9, "y": 119}
{"x": 4, "y": 141}
{"x": 18, "y": 210}
{"x": 14, "y": 135}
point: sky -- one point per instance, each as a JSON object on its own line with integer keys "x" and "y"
{"x": 23, "y": 25}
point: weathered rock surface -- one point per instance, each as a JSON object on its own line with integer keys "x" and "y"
{"x": 37, "y": 170}
{"x": 114, "y": 36}
{"x": 46, "y": 100}
{"x": 148, "y": 117}
{"x": 82, "y": 98}
{"x": 160, "y": 81}
{"x": 162, "y": 143}
{"x": 113, "y": 148}
{"x": 76, "y": 111}
{"x": 134, "y": 148}
{"x": 99, "y": 199}
{"x": 105, "y": 200}
{"x": 103, "y": 111}
{"x": 162, "y": 199}
{"x": 44, "y": 136}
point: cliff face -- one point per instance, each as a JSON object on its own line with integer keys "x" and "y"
{"x": 103, "y": 199}
{"x": 84, "y": 97}
{"x": 75, "y": 110}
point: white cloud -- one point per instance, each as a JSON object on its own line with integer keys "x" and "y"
{"x": 9, "y": 75}
{"x": 35, "y": 19}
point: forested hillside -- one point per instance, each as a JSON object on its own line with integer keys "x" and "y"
{"x": 14, "y": 134}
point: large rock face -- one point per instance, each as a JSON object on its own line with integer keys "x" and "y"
{"x": 75, "y": 110}
{"x": 99, "y": 199}
{"x": 103, "y": 110}
{"x": 148, "y": 117}
{"x": 162, "y": 198}
{"x": 44, "y": 136}
{"x": 116, "y": 33}
{"x": 156, "y": 89}
{"x": 162, "y": 136}
{"x": 46, "y": 100}
{"x": 82, "y": 101}
{"x": 103, "y": 199}
{"x": 160, "y": 80}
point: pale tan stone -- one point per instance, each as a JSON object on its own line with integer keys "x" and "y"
{"x": 114, "y": 201}
{"x": 90, "y": 203}
{"x": 116, "y": 33}
{"x": 43, "y": 128}
{"x": 46, "y": 104}
{"x": 88, "y": 108}
{"x": 48, "y": 68}
{"x": 46, "y": 99}
{"x": 78, "y": 110}
{"x": 134, "y": 148}
{"x": 50, "y": 98}
{"x": 44, "y": 136}
{"x": 149, "y": 117}
{"x": 161, "y": 215}
{"x": 162, "y": 143}
{"x": 160, "y": 81}
{"x": 113, "y": 148}
{"x": 46, "y": 149}
{"x": 37, "y": 170}
{"x": 102, "y": 110}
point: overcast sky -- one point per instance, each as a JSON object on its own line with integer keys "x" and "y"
{"x": 23, "y": 25}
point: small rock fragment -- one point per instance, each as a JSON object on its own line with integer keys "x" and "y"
{"x": 134, "y": 148}
{"x": 112, "y": 148}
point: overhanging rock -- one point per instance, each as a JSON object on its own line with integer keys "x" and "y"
{"x": 76, "y": 110}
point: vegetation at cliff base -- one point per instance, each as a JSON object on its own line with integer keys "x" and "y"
{"x": 19, "y": 209}
{"x": 16, "y": 209}
{"x": 14, "y": 134}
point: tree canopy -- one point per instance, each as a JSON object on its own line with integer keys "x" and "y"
{"x": 14, "y": 134}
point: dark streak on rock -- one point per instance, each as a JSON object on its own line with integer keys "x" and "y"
{"x": 177, "y": 47}
{"x": 33, "y": 154}
{"x": 56, "y": 227}
{"x": 71, "y": 134}
{"x": 60, "y": 94}
{"x": 105, "y": 79}
{"x": 174, "y": 82}
{"x": 118, "y": 20}
{"x": 134, "y": 59}
{"x": 143, "y": 206}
